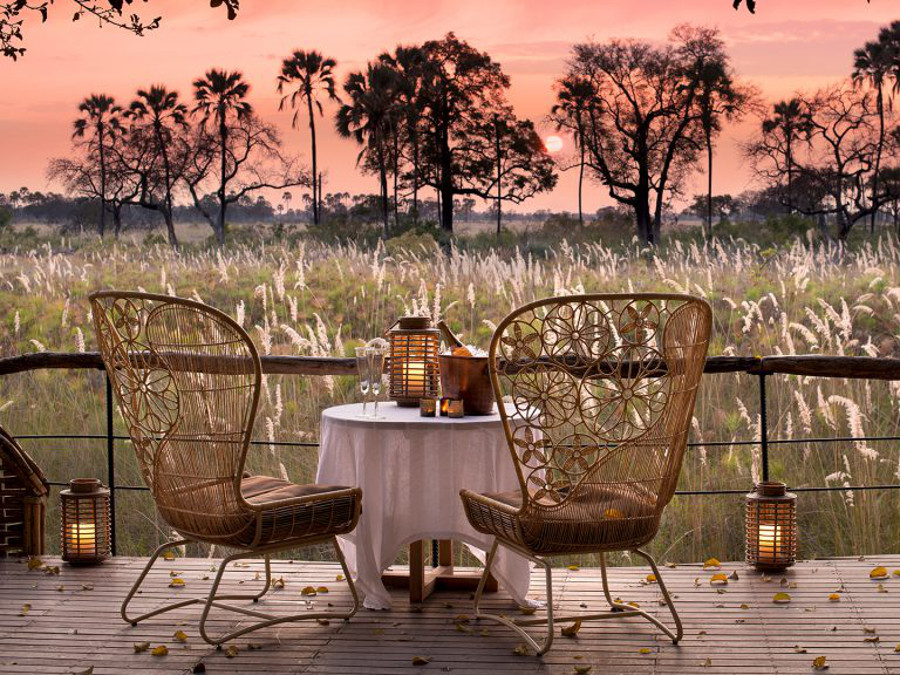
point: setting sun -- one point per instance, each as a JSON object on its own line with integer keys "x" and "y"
{"x": 553, "y": 144}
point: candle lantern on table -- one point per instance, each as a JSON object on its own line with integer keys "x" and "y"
{"x": 84, "y": 509}
{"x": 414, "y": 370}
{"x": 771, "y": 527}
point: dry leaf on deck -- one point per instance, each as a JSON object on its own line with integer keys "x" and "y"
{"x": 87, "y": 671}
{"x": 180, "y": 636}
{"x": 35, "y": 564}
{"x": 573, "y": 568}
{"x": 719, "y": 578}
{"x": 177, "y": 582}
{"x": 420, "y": 660}
{"x": 645, "y": 650}
{"x": 781, "y": 598}
{"x": 161, "y": 650}
{"x": 339, "y": 577}
{"x": 572, "y": 631}
{"x": 651, "y": 578}
{"x": 583, "y": 670}
{"x": 527, "y": 611}
{"x": 25, "y": 609}
{"x": 835, "y": 597}
{"x": 799, "y": 650}
{"x": 322, "y": 589}
{"x": 819, "y": 663}
{"x": 140, "y": 647}
{"x": 168, "y": 555}
{"x": 878, "y": 573}
{"x": 231, "y": 651}
{"x": 712, "y": 562}
{"x": 278, "y": 584}
{"x": 307, "y": 590}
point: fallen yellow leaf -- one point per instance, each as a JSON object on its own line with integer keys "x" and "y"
{"x": 35, "y": 564}
{"x": 177, "y": 582}
{"x": 712, "y": 562}
{"x": 878, "y": 573}
{"x": 527, "y": 611}
{"x": 521, "y": 650}
{"x": 161, "y": 650}
{"x": 180, "y": 636}
{"x": 279, "y": 584}
{"x": 645, "y": 650}
{"x": 308, "y": 590}
{"x": 651, "y": 578}
{"x": 572, "y": 631}
{"x": 573, "y": 568}
{"x": 322, "y": 589}
{"x": 835, "y": 597}
{"x": 781, "y": 598}
{"x": 583, "y": 670}
{"x": 25, "y": 609}
{"x": 231, "y": 651}
{"x": 819, "y": 663}
{"x": 720, "y": 579}
{"x": 339, "y": 577}
{"x": 169, "y": 555}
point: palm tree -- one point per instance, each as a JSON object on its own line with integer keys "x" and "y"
{"x": 311, "y": 75}
{"x": 221, "y": 96}
{"x": 573, "y": 100}
{"x": 792, "y": 120}
{"x": 718, "y": 97}
{"x": 161, "y": 109}
{"x": 368, "y": 118}
{"x": 102, "y": 120}
{"x": 871, "y": 66}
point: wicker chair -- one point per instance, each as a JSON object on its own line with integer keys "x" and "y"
{"x": 23, "y": 500}
{"x": 187, "y": 381}
{"x": 602, "y": 390}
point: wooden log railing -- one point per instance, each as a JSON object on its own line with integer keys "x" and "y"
{"x": 815, "y": 365}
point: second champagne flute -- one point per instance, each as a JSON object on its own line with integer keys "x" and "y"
{"x": 376, "y": 364}
{"x": 364, "y": 370}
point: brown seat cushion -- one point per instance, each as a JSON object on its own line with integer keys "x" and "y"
{"x": 598, "y": 517}
{"x": 265, "y": 489}
{"x": 280, "y": 522}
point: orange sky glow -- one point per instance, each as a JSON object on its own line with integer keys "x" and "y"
{"x": 788, "y": 45}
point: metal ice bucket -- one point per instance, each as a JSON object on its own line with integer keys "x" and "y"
{"x": 467, "y": 377}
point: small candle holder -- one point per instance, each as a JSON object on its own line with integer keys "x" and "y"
{"x": 455, "y": 408}
{"x": 445, "y": 406}
{"x": 85, "y": 522}
{"x": 771, "y": 527}
{"x": 427, "y": 407}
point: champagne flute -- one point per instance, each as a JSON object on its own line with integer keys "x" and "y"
{"x": 364, "y": 370}
{"x": 377, "y": 365}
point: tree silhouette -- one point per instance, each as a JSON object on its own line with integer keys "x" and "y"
{"x": 159, "y": 119}
{"x": 368, "y": 117}
{"x": 871, "y": 66}
{"x": 221, "y": 99}
{"x": 101, "y": 126}
{"x": 751, "y": 4}
{"x": 644, "y": 121}
{"x": 573, "y": 100}
{"x": 106, "y": 12}
{"x": 311, "y": 75}
{"x": 790, "y": 124}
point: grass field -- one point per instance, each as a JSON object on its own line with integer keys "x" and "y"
{"x": 321, "y": 299}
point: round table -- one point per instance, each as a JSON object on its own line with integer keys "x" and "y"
{"x": 411, "y": 469}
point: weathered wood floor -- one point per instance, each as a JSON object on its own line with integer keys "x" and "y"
{"x": 73, "y": 624}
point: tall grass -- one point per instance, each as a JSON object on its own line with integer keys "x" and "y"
{"x": 319, "y": 299}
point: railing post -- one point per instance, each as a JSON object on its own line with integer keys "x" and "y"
{"x": 111, "y": 464}
{"x": 763, "y": 427}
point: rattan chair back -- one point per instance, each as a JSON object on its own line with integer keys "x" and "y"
{"x": 187, "y": 380}
{"x": 602, "y": 390}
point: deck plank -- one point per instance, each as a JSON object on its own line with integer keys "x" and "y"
{"x": 74, "y": 624}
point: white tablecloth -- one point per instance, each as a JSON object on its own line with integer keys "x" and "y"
{"x": 411, "y": 469}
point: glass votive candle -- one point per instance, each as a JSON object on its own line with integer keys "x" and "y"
{"x": 445, "y": 406}
{"x": 427, "y": 407}
{"x": 455, "y": 408}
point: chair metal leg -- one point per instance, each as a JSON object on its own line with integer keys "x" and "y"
{"x": 679, "y": 630}
{"x": 137, "y": 584}
{"x": 618, "y": 609}
{"x": 214, "y": 600}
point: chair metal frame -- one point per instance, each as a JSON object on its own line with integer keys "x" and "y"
{"x": 622, "y": 331}
{"x": 153, "y": 411}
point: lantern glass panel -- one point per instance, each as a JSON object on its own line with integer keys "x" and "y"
{"x": 85, "y": 521}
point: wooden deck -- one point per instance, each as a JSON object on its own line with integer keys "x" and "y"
{"x": 73, "y": 624}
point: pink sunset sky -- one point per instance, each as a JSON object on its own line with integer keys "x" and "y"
{"x": 788, "y": 45}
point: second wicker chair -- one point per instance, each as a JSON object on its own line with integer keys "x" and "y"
{"x": 602, "y": 391}
{"x": 187, "y": 381}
